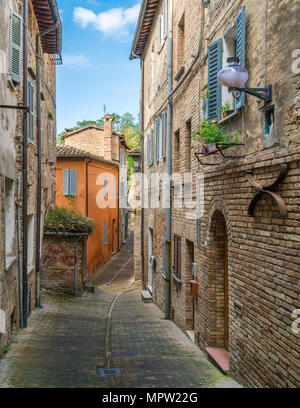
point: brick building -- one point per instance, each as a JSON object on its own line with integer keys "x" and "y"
{"x": 82, "y": 179}
{"x": 109, "y": 146}
{"x": 27, "y": 148}
{"x": 244, "y": 259}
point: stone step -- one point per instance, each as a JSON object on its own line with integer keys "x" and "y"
{"x": 146, "y": 296}
{"x": 219, "y": 357}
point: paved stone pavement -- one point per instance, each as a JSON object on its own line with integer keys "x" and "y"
{"x": 70, "y": 338}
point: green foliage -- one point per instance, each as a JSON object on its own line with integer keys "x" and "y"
{"x": 63, "y": 220}
{"x": 226, "y": 107}
{"x": 211, "y": 132}
{"x": 125, "y": 124}
{"x": 130, "y": 163}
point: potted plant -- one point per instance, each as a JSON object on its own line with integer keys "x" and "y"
{"x": 213, "y": 137}
{"x": 226, "y": 109}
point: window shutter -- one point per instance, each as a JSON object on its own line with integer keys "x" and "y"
{"x": 165, "y": 17}
{"x": 241, "y": 49}
{"x": 73, "y": 182}
{"x": 105, "y": 186}
{"x": 151, "y": 146}
{"x": 15, "y": 47}
{"x": 198, "y": 228}
{"x": 30, "y": 123}
{"x": 105, "y": 233}
{"x": 163, "y": 134}
{"x": 157, "y": 136}
{"x": 214, "y": 88}
{"x": 66, "y": 182}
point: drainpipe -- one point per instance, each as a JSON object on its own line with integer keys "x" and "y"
{"x": 24, "y": 163}
{"x": 142, "y": 169}
{"x": 19, "y": 250}
{"x": 39, "y": 173}
{"x": 169, "y": 165}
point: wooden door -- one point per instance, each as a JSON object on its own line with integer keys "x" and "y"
{"x": 226, "y": 294}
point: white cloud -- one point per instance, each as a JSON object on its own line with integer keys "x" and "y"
{"x": 111, "y": 22}
{"x": 76, "y": 61}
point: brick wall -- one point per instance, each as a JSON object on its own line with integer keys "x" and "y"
{"x": 58, "y": 264}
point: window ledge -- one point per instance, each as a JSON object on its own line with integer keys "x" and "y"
{"x": 235, "y": 113}
{"x": 176, "y": 279}
{"x": 9, "y": 261}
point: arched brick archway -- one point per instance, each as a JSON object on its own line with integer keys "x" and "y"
{"x": 217, "y": 281}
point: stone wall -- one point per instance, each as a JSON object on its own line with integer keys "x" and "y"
{"x": 58, "y": 264}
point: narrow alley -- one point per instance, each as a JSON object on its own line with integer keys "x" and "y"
{"x": 70, "y": 339}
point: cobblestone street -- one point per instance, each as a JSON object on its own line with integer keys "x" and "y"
{"x": 69, "y": 339}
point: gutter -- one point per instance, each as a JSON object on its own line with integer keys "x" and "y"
{"x": 58, "y": 28}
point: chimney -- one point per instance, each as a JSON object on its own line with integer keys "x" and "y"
{"x": 108, "y": 136}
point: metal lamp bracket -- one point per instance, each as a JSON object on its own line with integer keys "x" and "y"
{"x": 261, "y": 93}
{"x": 270, "y": 190}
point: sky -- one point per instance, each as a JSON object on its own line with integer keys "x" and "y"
{"x": 96, "y": 70}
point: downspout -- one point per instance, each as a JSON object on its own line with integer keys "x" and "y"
{"x": 19, "y": 250}
{"x": 169, "y": 165}
{"x": 24, "y": 164}
{"x": 76, "y": 266}
{"x": 142, "y": 169}
{"x": 39, "y": 174}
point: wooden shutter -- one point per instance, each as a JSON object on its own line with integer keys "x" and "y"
{"x": 163, "y": 134}
{"x": 105, "y": 232}
{"x": 15, "y": 47}
{"x": 66, "y": 182}
{"x": 72, "y": 182}
{"x": 214, "y": 88}
{"x": 241, "y": 49}
{"x": 157, "y": 136}
{"x": 151, "y": 146}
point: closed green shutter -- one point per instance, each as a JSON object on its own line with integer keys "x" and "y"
{"x": 241, "y": 49}
{"x": 15, "y": 47}
{"x": 214, "y": 88}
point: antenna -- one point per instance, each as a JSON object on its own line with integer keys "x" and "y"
{"x": 104, "y": 110}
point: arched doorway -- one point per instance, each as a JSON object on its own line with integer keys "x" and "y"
{"x": 217, "y": 294}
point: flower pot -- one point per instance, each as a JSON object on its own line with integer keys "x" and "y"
{"x": 212, "y": 147}
{"x": 224, "y": 114}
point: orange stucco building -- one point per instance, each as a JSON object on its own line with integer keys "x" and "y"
{"x": 89, "y": 184}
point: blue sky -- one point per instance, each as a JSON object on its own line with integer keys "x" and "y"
{"x": 96, "y": 71}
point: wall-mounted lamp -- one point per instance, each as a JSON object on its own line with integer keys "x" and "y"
{"x": 234, "y": 77}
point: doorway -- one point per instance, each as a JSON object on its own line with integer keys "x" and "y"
{"x": 192, "y": 274}
{"x": 218, "y": 298}
{"x": 150, "y": 260}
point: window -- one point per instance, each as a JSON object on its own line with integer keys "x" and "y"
{"x": 150, "y": 148}
{"x": 30, "y": 239}
{"x": 9, "y": 217}
{"x": 198, "y": 230}
{"x": 70, "y": 182}
{"x": 180, "y": 43}
{"x": 105, "y": 233}
{"x": 163, "y": 134}
{"x": 188, "y": 145}
{"x": 50, "y": 140}
{"x": 177, "y": 256}
{"x": 30, "y": 122}
{"x": 176, "y": 151}
{"x": 15, "y": 47}
{"x": 157, "y": 137}
{"x": 105, "y": 193}
{"x": 269, "y": 121}
{"x": 162, "y": 26}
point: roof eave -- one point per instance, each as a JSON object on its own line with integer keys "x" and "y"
{"x": 138, "y": 30}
